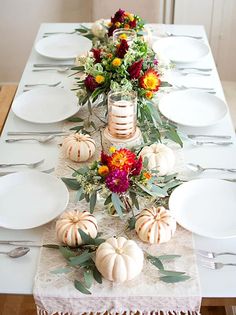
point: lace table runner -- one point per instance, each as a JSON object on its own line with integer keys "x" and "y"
{"x": 55, "y": 293}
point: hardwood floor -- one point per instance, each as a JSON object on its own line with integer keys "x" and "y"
{"x": 24, "y": 305}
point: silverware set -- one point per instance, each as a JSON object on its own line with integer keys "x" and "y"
{"x": 38, "y": 136}
{"x": 201, "y": 139}
{"x": 207, "y": 259}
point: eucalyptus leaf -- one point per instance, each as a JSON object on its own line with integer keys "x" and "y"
{"x": 80, "y": 287}
{"x": 77, "y": 128}
{"x": 117, "y": 204}
{"x": 81, "y": 30}
{"x": 71, "y": 183}
{"x": 108, "y": 200}
{"x": 66, "y": 252}
{"x": 168, "y": 257}
{"x": 79, "y": 194}
{"x": 61, "y": 270}
{"x": 134, "y": 199}
{"x": 96, "y": 274}
{"x": 77, "y": 260}
{"x": 98, "y": 241}
{"x": 174, "y": 279}
{"x": 131, "y": 223}
{"x": 75, "y": 119}
{"x": 173, "y": 135}
{"x": 171, "y": 273}
{"x": 88, "y": 278}
{"x": 156, "y": 262}
{"x": 145, "y": 162}
{"x": 87, "y": 239}
{"x": 93, "y": 200}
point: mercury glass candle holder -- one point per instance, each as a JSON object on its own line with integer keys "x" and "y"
{"x": 121, "y": 33}
{"x": 122, "y": 114}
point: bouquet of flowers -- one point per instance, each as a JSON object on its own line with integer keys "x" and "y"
{"x": 120, "y": 178}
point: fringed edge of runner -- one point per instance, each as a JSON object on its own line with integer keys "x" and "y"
{"x": 44, "y": 312}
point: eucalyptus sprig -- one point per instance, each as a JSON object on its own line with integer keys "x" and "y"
{"x": 81, "y": 258}
{"x": 168, "y": 276}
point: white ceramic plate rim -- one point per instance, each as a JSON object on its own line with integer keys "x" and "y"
{"x": 50, "y": 38}
{"x": 41, "y": 90}
{"x": 63, "y": 193}
{"x": 179, "y": 219}
{"x": 161, "y": 45}
{"x": 194, "y": 92}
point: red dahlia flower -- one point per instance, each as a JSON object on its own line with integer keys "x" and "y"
{"x": 104, "y": 158}
{"x": 122, "y": 159}
{"x": 97, "y": 55}
{"x": 122, "y": 48}
{"x": 135, "y": 69}
{"x": 150, "y": 80}
{"x": 133, "y": 23}
{"x": 118, "y": 16}
{"x": 137, "y": 167}
{"x": 90, "y": 83}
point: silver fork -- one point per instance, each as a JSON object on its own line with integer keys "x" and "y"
{"x": 201, "y": 143}
{"x": 183, "y": 87}
{"x": 209, "y": 254}
{"x": 48, "y": 171}
{"x": 180, "y": 35}
{"x": 195, "y": 73}
{"x": 215, "y": 265}
{"x": 30, "y": 165}
{"x": 43, "y": 84}
{"x": 39, "y": 139}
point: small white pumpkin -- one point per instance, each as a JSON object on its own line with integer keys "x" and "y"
{"x": 160, "y": 157}
{"x": 78, "y": 147}
{"x": 155, "y": 225}
{"x": 68, "y": 224}
{"x": 119, "y": 259}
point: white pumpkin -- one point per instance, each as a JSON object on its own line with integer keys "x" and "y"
{"x": 68, "y": 224}
{"x": 160, "y": 157}
{"x": 78, "y": 147}
{"x": 119, "y": 259}
{"x": 155, "y": 225}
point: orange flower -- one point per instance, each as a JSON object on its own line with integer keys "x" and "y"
{"x": 126, "y": 26}
{"x": 122, "y": 159}
{"x": 150, "y": 80}
{"x": 147, "y": 175}
{"x": 109, "y": 55}
{"x": 149, "y": 94}
{"x": 103, "y": 170}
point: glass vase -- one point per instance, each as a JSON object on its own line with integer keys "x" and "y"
{"x": 129, "y": 35}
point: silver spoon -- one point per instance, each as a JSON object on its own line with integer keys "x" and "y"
{"x": 60, "y": 70}
{"x": 199, "y": 169}
{"x": 39, "y": 139}
{"x": 17, "y": 252}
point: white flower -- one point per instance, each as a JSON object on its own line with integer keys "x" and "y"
{"x": 98, "y": 29}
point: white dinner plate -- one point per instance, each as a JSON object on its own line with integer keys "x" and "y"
{"x": 63, "y": 46}
{"x": 192, "y": 108}
{"x": 206, "y": 207}
{"x": 46, "y": 105}
{"x": 30, "y": 199}
{"x": 181, "y": 49}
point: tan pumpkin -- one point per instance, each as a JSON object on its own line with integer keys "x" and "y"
{"x": 78, "y": 147}
{"x": 68, "y": 224}
{"x": 119, "y": 259}
{"x": 155, "y": 225}
{"x": 160, "y": 157}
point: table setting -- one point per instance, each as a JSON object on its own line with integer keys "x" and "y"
{"x": 117, "y": 172}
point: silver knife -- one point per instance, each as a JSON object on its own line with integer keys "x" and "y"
{"x": 26, "y": 133}
{"x": 22, "y": 243}
{"x": 48, "y": 65}
{"x": 50, "y": 170}
{"x": 209, "y": 136}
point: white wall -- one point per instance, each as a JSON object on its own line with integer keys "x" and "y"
{"x": 19, "y": 23}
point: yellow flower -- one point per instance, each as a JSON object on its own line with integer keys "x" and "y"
{"x": 103, "y": 170}
{"x": 117, "y": 24}
{"x": 116, "y": 62}
{"x": 149, "y": 94}
{"x": 131, "y": 17}
{"x": 147, "y": 175}
{"x": 123, "y": 36}
{"x": 99, "y": 79}
{"x": 112, "y": 149}
{"x": 109, "y": 24}
{"x": 150, "y": 80}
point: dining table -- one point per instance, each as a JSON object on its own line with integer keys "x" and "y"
{"x": 218, "y": 287}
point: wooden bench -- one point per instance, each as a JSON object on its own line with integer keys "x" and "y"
{"x": 7, "y": 93}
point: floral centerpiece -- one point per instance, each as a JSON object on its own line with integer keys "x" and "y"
{"x": 120, "y": 178}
